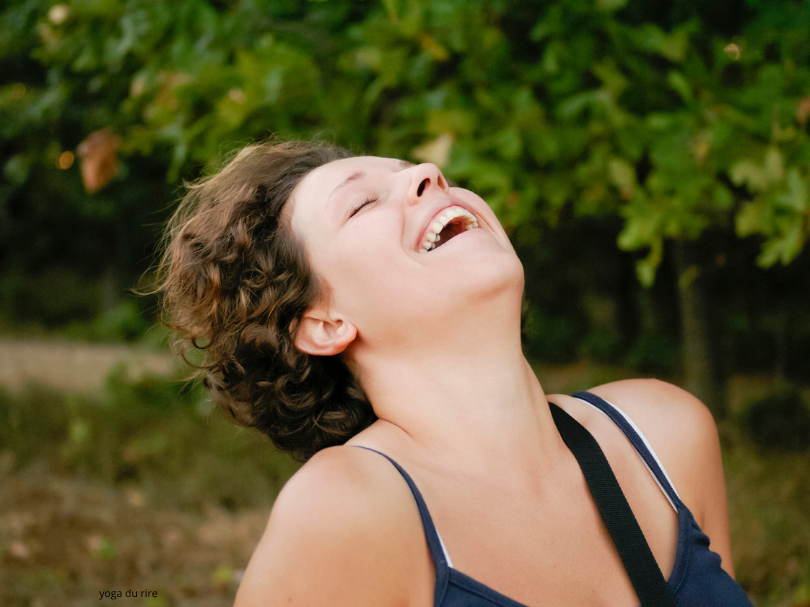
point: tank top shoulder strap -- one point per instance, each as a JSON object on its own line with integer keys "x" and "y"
{"x": 438, "y": 552}
{"x": 638, "y": 440}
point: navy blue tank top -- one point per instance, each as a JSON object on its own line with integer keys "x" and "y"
{"x": 697, "y": 579}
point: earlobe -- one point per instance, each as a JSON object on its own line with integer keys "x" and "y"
{"x": 324, "y": 337}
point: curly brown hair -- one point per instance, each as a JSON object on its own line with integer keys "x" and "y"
{"x": 233, "y": 277}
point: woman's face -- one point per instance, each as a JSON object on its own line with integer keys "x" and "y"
{"x": 369, "y": 256}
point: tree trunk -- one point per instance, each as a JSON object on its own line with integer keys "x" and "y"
{"x": 699, "y": 344}
{"x": 628, "y": 315}
{"x": 110, "y": 292}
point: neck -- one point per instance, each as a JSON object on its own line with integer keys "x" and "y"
{"x": 473, "y": 402}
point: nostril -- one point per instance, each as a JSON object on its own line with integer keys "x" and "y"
{"x": 422, "y": 186}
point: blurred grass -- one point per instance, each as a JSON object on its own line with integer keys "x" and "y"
{"x": 165, "y": 441}
{"x": 769, "y": 518}
{"x": 153, "y": 432}
{"x": 125, "y": 322}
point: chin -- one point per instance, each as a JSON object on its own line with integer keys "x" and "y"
{"x": 506, "y": 268}
{"x": 503, "y": 279}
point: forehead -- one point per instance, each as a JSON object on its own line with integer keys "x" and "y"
{"x": 335, "y": 172}
{"x": 313, "y": 193}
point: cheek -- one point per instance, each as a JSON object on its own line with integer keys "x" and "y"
{"x": 366, "y": 262}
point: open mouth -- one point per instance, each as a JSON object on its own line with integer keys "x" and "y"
{"x": 447, "y": 225}
{"x": 451, "y": 230}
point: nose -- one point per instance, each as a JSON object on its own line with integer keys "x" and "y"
{"x": 425, "y": 178}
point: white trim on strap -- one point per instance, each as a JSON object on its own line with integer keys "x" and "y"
{"x": 446, "y": 556}
{"x": 649, "y": 447}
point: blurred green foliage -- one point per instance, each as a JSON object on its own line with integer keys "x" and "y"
{"x": 779, "y": 422}
{"x": 669, "y": 121}
{"x": 676, "y": 117}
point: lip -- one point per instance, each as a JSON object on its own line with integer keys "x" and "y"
{"x": 438, "y": 211}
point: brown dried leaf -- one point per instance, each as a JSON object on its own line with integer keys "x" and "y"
{"x": 803, "y": 110}
{"x": 99, "y": 161}
{"x": 19, "y": 550}
{"x": 436, "y": 151}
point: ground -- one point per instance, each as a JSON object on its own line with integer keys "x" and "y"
{"x": 64, "y": 541}
{"x": 71, "y": 366}
{"x": 67, "y": 542}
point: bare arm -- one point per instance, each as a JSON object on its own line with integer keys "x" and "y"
{"x": 711, "y": 485}
{"x": 338, "y": 535}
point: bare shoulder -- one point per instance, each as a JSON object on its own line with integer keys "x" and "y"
{"x": 683, "y": 433}
{"x": 340, "y": 533}
{"x": 672, "y": 420}
{"x": 665, "y": 410}
{"x": 679, "y": 427}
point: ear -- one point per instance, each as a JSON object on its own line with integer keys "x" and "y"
{"x": 320, "y": 335}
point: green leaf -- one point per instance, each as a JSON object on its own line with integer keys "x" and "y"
{"x": 391, "y": 9}
{"x": 509, "y": 143}
{"x": 674, "y": 45}
{"x": 622, "y": 174}
{"x": 722, "y": 197}
{"x": 749, "y": 220}
{"x": 678, "y": 82}
{"x": 636, "y": 233}
{"x": 796, "y": 196}
{"x": 610, "y": 5}
{"x": 759, "y": 178}
{"x": 610, "y": 76}
{"x": 647, "y": 268}
{"x": 574, "y": 105}
{"x": 746, "y": 172}
{"x": 774, "y": 168}
{"x": 17, "y": 169}
{"x": 784, "y": 248}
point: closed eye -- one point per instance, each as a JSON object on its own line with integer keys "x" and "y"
{"x": 368, "y": 201}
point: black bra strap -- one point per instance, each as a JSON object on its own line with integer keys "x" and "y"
{"x": 645, "y": 575}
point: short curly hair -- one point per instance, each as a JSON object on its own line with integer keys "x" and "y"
{"x": 232, "y": 277}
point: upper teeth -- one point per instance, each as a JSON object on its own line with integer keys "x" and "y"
{"x": 432, "y": 235}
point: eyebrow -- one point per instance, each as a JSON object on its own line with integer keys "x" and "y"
{"x": 404, "y": 164}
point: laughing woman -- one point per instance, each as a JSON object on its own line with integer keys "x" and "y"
{"x": 365, "y": 314}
